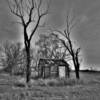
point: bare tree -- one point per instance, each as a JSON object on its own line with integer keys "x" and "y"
{"x": 29, "y": 12}
{"x": 50, "y": 47}
{"x": 10, "y": 57}
{"x": 69, "y": 44}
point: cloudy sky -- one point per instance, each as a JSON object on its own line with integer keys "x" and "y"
{"x": 87, "y": 32}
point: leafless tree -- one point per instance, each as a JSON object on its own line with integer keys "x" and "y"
{"x": 10, "y": 57}
{"x": 69, "y": 44}
{"x": 50, "y": 47}
{"x": 29, "y": 12}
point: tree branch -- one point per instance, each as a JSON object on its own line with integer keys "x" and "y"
{"x": 35, "y": 29}
{"x": 30, "y": 14}
{"x": 77, "y": 51}
{"x": 39, "y": 18}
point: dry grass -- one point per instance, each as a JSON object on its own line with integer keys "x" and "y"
{"x": 88, "y": 88}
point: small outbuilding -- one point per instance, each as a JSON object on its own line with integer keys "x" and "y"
{"x": 53, "y": 68}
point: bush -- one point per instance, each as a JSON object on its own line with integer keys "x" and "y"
{"x": 40, "y": 82}
{"x": 57, "y": 82}
{"x": 21, "y": 85}
{"x": 52, "y": 82}
{"x": 64, "y": 82}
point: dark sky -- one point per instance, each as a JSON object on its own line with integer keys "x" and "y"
{"x": 87, "y": 32}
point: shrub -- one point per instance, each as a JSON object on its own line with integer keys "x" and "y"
{"x": 21, "y": 85}
{"x": 64, "y": 82}
{"x": 52, "y": 82}
{"x": 69, "y": 82}
{"x": 40, "y": 82}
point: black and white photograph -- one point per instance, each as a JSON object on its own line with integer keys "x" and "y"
{"x": 49, "y": 49}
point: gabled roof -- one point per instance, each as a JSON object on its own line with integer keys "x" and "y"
{"x": 49, "y": 62}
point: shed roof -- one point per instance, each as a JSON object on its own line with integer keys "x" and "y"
{"x": 50, "y": 62}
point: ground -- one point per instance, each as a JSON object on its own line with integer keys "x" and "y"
{"x": 87, "y": 89}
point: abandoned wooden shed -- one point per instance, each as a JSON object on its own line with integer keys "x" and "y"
{"x": 53, "y": 68}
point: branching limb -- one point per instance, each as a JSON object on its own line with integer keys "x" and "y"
{"x": 39, "y": 18}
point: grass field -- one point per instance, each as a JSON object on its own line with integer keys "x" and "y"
{"x": 88, "y": 88}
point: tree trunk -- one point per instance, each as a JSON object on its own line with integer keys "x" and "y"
{"x": 28, "y": 64}
{"x": 76, "y": 65}
{"x": 77, "y": 68}
{"x": 77, "y": 72}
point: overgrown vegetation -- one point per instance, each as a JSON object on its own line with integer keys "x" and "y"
{"x": 68, "y": 43}
{"x": 29, "y": 13}
{"x": 85, "y": 89}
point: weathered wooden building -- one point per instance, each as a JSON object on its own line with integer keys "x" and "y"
{"x": 53, "y": 68}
